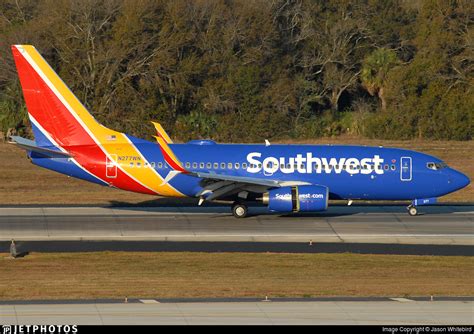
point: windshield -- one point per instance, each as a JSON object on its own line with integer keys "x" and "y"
{"x": 436, "y": 165}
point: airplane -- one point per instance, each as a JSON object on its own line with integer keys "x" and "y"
{"x": 286, "y": 178}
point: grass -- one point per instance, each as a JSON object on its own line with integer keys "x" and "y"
{"x": 168, "y": 275}
{"x": 24, "y": 183}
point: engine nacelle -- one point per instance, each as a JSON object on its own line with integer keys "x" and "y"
{"x": 297, "y": 199}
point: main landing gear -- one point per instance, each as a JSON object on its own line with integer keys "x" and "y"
{"x": 412, "y": 210}
{"x": 239, "y": 210}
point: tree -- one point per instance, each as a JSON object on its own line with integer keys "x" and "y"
{"x": 374, "y": 72}
{"x": 246, "y": 70}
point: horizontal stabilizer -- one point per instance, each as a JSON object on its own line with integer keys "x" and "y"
{"x": 30, "y": 145}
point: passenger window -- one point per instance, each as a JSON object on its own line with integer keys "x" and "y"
{"x": 188, "y": 165}
{"x": 385, "y": 167}
{"x": 244, "y": 165}
{"x": 208, "y": 165}
{"x": 222, "y": 165}
{"x": 392, "y": 167}
{"x": 237, "y": 165}
{"x": 152, "y": 165}
{"x": 160, "y": 165}
{"x": 139, "y": 164}
{"x": 229, "y": 165}
{"x": 216, "y": 165}
{"x": 195, "y": 165}
{"x": 201, "y": 165}
{"x": 131, "y": 164}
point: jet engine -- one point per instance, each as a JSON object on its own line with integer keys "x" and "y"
{"x": 309, "y": 198}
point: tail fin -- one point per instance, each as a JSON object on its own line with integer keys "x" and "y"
{"x": 60, "y": 120}
{"x": 53, "y": 109}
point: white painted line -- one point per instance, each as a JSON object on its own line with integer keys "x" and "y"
{"x": 149, "y": 301}
{"x": 402, "y": 300}
{"x": 197, "y": 235}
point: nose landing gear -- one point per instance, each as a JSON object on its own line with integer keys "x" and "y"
{"x": 412, "y": 210}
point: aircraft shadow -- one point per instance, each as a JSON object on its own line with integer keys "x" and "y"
{"x": 190, "y": 206}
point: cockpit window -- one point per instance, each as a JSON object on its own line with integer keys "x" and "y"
{"x": 436, "y": 165}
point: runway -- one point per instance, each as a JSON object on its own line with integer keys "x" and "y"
{"x": 23, "y": 248}
{"x": 396, "y": 311}
{"x": 437, "y": 225}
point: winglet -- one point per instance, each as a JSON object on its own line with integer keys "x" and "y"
{"x": 162, "y": 133}
{"x": 169, "y": 156}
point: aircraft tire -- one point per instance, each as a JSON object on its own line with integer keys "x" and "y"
{"x": 239, "y": 210}
{"x": 412, "y": 210}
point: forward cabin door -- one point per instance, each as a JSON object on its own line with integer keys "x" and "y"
{"x": 405, "y": 169}
{"x": 111, "y": 166}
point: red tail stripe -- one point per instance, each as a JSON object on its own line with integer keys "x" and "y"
{"x": 54, "y": 117}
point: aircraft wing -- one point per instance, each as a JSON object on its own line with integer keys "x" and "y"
{"x": 217, "y": 185}
{"x": 220, "y": 185}
{"x": 237, "y": 179}
{"x": 30, "y": 145}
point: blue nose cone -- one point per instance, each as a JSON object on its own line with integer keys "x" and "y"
{"x": 458, "y": 180}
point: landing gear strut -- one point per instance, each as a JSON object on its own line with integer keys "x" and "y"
{"x": 412, "y": 210}
{"x": 239, "y": 210}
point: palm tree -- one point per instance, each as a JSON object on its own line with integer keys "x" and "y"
{"x": 374, "y": 72}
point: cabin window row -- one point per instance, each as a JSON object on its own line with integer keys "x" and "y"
{"x": 244, "y": 165}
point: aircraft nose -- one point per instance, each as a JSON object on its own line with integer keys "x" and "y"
{"x": 458, "y": 180}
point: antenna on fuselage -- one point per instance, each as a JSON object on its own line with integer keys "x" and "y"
{"x": 267, "y": 143}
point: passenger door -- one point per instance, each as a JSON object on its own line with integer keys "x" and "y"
{"x": 405, "y": 169}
